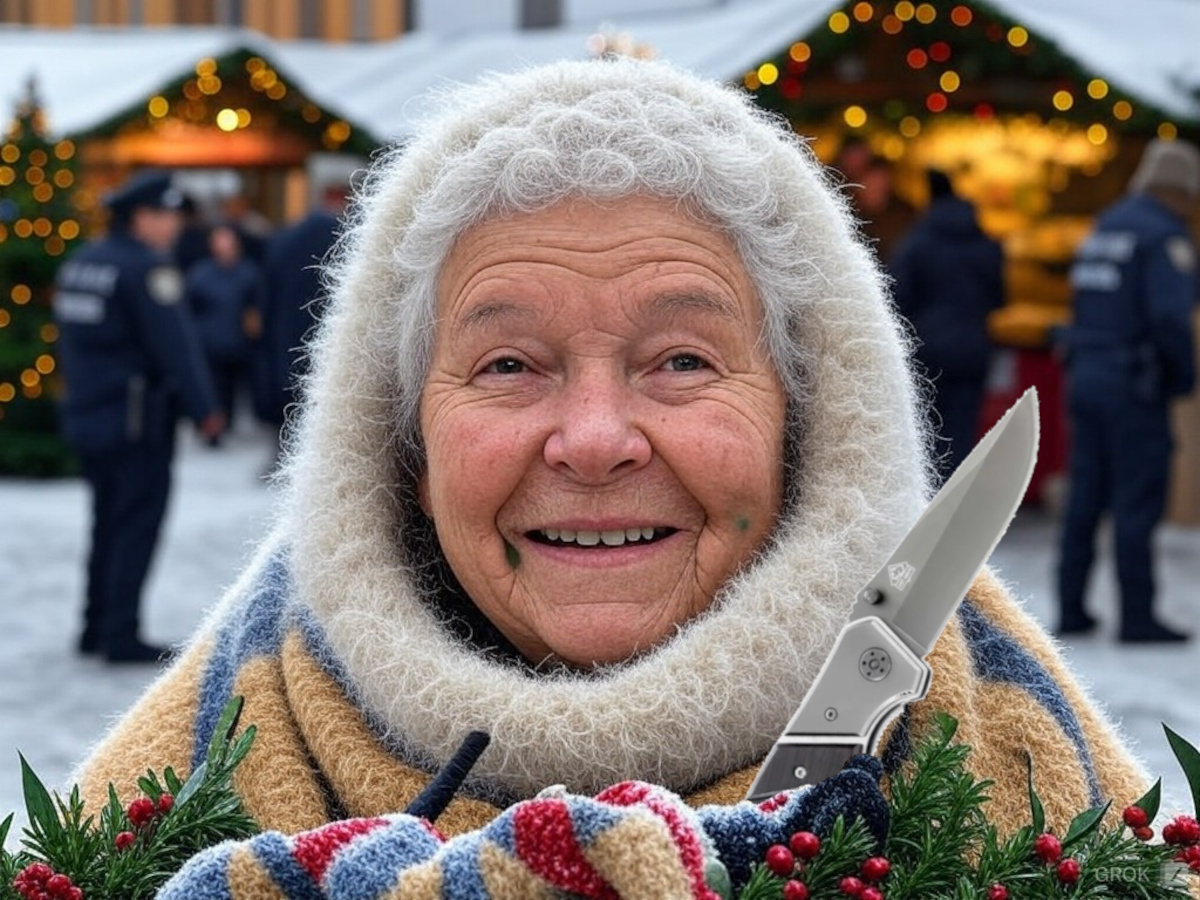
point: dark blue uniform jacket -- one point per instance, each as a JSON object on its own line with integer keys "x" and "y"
{"x": 1134, "y": 283}
{"x": 128, "y": 351}
{"x": 948, "y": 276}
{"x": 219, "y": 297}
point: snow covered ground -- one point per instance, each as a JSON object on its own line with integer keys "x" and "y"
{"x": 53, "y": 703}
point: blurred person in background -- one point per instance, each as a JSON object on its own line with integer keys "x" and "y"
{"x": 1129, "y": 353}
{"x": 226, "y": 293}
{"x": 294, "y": 299}
{"x": 131, "y": 360}
{"x": 948, "y": 276}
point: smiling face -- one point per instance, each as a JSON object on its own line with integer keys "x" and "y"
{"x": 603, "y": 427}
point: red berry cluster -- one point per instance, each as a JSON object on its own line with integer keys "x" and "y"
{"x": 788, "y": 862}
{"x": 1048, "y": 849}
{"x": 142, "y": 813}
{"x": 1138, "y": 821}
{"x": 37, "y": 881}
{"x": 1184, "y": 832}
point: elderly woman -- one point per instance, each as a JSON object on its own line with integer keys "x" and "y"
{"x": 608, "y": 420}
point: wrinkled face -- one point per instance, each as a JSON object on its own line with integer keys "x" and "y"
{"x": 604, "y": 428}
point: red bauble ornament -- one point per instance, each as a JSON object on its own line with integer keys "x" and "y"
{"x": 165, "y": 802}
{"x": 1068, "y": 871}
{"x": 795, "y": 890}
{"x": 805, "y": 844}
{"x": 780, "y": 860}
{"x": 124, "y": 840}
{"x": 876, "y": 868}
{"x": 1047, "y": 848}
{"x": 997, "y": 892}
{"x": 1135, "y": 817}
{"x": 870, "y": 893}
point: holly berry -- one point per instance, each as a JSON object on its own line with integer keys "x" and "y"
{"x": 870, "y": 893}
{"x": 851, "y": 886}
{"x": 1135, "y": 817}
{"x": 38, "y": 881}
{"x": 165, "y": 802}
{"x": 141, "y": 812}
{"x": 1047, "y": 848}
{"x": 124, "y": 840}
{"x": 780, "y": 860}
{"x": 1182, "y": 831}
{"x": 1143, "y": 834}
{"x": 795, "y": 890}
{"x": 876, "y": 868}
{"x": 805, "y": 844}
{"x": 997, "y": 892}
{"x": 1190, "y": 856}
{"x": 1068, "y": 871}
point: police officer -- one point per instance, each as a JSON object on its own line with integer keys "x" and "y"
{"x": 1129, "y": 352}
{"x": 130, "y": 360}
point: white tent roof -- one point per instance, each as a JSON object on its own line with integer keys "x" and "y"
{"x": 86, "y": 76}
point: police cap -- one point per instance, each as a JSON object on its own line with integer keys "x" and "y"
{"x": 151, "y": 189}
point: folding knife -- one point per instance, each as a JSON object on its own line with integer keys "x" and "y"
{"x": 877, "y": 664}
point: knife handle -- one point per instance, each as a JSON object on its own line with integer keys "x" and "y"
{"x": 798, "y": 761}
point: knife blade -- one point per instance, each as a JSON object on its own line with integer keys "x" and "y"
{"x": 877, "y": 665}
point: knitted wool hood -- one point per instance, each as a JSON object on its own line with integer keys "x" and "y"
{"x": 351, "y": 558}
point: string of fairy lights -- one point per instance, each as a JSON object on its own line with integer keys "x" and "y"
{"x": 947, "y": 45}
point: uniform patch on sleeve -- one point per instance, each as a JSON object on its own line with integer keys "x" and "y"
{"x": 1182, "y": 254}
{"x": 165, "y": 285}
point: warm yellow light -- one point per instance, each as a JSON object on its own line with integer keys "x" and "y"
{"x": 64, "y": 178}
{"x": 32, "y": 391}
{"x": 1097, "y": 134}
{"x": 227, "y": 119}
{"x": 42, "y": 227}
{"x": 54, "y": 245}
{"x": 255, "y": 64}
{"x": 925, "y": 13}
{"x": 10, "y": 153}
{"x": 1018, "y": 36}
{"x": 839, "y": 23}
{"x": 158, "y": 107}
{"x": 891, "y": 25}
{"x": 855, "y": 116}
{"x": 68, "y": 230}
{"x": 243, "y": 115}
{"x": 950, "y": 81}
{"x": 961, "y": 16}
{"x": 43, "y": 192}
{"x": 1097, "y": 89}
{"x": 800, "y": 52}
{"x": 7, "y": 176}
{"x": 863, "y": 12}
{"x": 1122, "y": 110}
{"x": 768, "y": 73}
{"x": 64, "y": 149}
{"x": 30, "y": 377}
{"x": 312, "y": 114}
{"x": 338, "y": 131}
{"x": 277, "y": 91}
{"x": 206, "y": 67}
{"x": 7, "y": 392}
{"x": 35, "y": 175}
{"x": 20, "y": 294}
{"x": 904, "y": 10}
{"x": 209, "y": 85}
{"x": 1167, "y": 131}
{"x": 750, "y": 80}
{"x": 38, "y": 157}
{"x": 5, "y": 318}
{"x": 22, "y": 228}
{"x": 48, "y": 333}
{"x": 1062, "y": 100}
{"x": 910, "y": 126}
{"x": 44, "y": 364}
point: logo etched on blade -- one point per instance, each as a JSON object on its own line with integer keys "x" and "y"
{"x": 901, "y": 575}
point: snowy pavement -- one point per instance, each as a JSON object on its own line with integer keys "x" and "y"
{"x": 53, "y": 703}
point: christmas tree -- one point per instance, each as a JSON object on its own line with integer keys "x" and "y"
{"x": 38, "y": 225}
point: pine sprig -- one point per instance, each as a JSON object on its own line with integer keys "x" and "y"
{"x": 129, "y": 852}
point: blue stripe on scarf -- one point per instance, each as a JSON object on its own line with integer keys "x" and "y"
{"x": 275, "y": 854}
{"x": 252, "y": 631}
{"x": 998, "y": 658}
{"x": 371, "y": 864}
